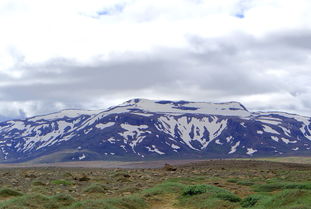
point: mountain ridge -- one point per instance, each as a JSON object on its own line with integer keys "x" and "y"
{"x": 143, "y": 129}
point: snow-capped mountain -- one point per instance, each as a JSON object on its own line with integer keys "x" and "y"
{"x": 144, "y": 129}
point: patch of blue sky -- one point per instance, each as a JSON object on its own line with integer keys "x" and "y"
{"x": 242, "y": 7}
{"x": 103, "y": 12}
{"x": 239, "y": 15}
{"x": 118, "y": 8}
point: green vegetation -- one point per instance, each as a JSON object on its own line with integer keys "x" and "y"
{"x": 38, "y": 183}
{"x": 251, "y": 200}
{"x": 233, "y": 180}
{"x": 248, "y": 182}
{"x": 164, "y": 188}
{"x": 286, "y": 199}
{"x": 228, "y": 197}
{"x": 6, "y": 192}
{"x": 30, "y": 201}
{"x": 200, "y": 189}
{"x": 65, "y": 201}
{"x": 61, "y": 182}
{"x": 188, "y": 180}
{"x": 62, "y": 199}
{"x": 281, "y": 186}
{"x": 245, "y": 183}
{"x": 95, "y": 188}
{"x": 129, "y": 202}
{"x": 198, "y": 196}
{"x": 206, "y": 196}
{"x": 219, "y": 184}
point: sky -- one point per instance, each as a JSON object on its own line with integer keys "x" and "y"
{"x": 93, "y": 54}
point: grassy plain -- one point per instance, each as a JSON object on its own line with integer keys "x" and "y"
{"x": 213, "y": 184}
{"x": 303, "y": 160}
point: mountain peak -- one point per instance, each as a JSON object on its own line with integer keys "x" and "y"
{"x": 181, "y": 107}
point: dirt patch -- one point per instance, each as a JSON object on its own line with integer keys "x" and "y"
{"x": 164, "y": 202}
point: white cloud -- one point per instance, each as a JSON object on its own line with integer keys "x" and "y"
{"x": 42, "y": 30}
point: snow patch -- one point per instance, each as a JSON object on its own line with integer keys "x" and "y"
{"x": 175, "y": 146}
{"x": 287, "y": 141}
{"x": 111, "y": 140}
{"x": 123, "y": 147}
{"x": 104, "y": 125}
{"x": 65, "y": 113}
{"x": 153, "y": 148}
{"x": 234, "y": 147}
{"x": 229, "y": 138}
{"x": 270, "y": 121}
{"x": 227, "y": 109}
{"x": 275, "y": 138}
{"x": 268, "y": 129}
{"x": 218, "y": 142}
{"x": 134, "y": 134}
{"x": 251, "y": 151}
{"x": 82, "y": 157}
{"x": 192, "y": 129}
{"x": 143, "y": 114}
{"x": 286, "y": 131}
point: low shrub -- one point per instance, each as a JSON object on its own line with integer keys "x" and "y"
{"x": 61, "y": 182}
{"x": 129, "y": 202}
{"x": 6, "y": 192}
{"x": 187, "y": 180}
{"x": 63, "y": 199}
{"x": 228, "y": 197}
{"x": 95, "y": 188}
{"x": 281, "y": 186}
{"x": 202, "y": 188}
{"x": 249, "y": 201}
{"x": 38, "y": 183}
{"x": 232, "y": 180}
{"x": 196, "y": 189}
{"x": 207, "y": 196}
{"x": 37, "y": 201}
{"x": 164, "y": 188}
{"x": 289, "y": 199}
{"x": 245, "y": 183}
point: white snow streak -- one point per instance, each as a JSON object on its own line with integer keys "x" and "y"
{"x": 251, "y": 151}
{"x": 104, "y": 125}
{"x": 233, "y": 148}
{"x": 153, "y": 148}
{"x": 269, "y": 130}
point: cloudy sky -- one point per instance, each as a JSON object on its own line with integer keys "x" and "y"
{"x": 91, "y": 54}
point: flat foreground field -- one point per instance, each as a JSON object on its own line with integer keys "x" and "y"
{"x": 304, "y": 160}
{"x": 213, "y": 184}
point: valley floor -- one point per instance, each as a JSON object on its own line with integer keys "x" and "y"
{"x": 302, "y": 160}
{"x": 214, "y": 184}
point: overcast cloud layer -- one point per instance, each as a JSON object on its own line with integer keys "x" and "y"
{"x": 91, "y": 54}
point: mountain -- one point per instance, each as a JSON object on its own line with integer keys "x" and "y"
{"x": 141, "y": 129}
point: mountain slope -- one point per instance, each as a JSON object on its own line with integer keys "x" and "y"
{"x": 146, "y": 129}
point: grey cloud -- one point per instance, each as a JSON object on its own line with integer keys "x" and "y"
{"x": 232, "y": 66}
{"x": 296, "y": 39}
{"x": 4, "y": 118}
